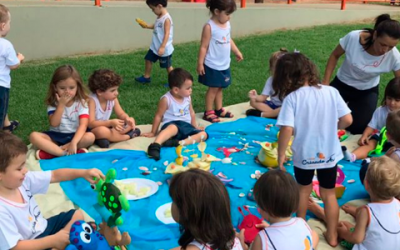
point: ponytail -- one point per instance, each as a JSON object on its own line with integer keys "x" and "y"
{"x": 384, "y": 25}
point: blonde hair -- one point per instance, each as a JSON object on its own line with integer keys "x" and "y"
{"x": 4, "y": 14}
{"x": 383, "y": 177}
{"x": 274, "y": 58}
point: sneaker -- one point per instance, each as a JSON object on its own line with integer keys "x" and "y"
{"x": 154, "y": 151}
{"x": 171, "y": 143}
{"x": 253, "y": 112}
{"x": 134, "y": 133}
{"x": 143, "y": 79}
{"x": 82, "y": 151}
{"x": 102, "y": 143}
{"x": 43, "y": 155}
{"x": 166, "y": 85}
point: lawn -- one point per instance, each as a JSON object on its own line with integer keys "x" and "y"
{"x": 30, "y": 82}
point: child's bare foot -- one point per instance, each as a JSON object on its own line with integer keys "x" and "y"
{"x": 332, "y": 240}
{"x": 316, "y": 209}
{"x": 352, "y": 210}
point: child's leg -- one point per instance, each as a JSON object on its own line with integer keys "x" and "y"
{"x": 169, "y": 69}
{"x": 219, "y": 111}
{"x": 77, "y": 216}
{"x": 305, "y": 192}
{"x": 110, "y": 134}
{"x": 350, "y": 209}
{"x": 201, "y": 136}
{"x": 331, "y": 209}
{"x": 147, "y": 68}
{"x": 362, "y": 151}
{"x": 316, "y": 209}
{"x": 86, "y": 140}
{"x": 166, "y": 134}
{"x": 44, "y": 142}
{"x": 266, "y": 110}
{"x": 315, "y": 239}
{"x": 211, "y": 98}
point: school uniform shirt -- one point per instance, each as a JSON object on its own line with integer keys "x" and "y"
{"x": 361, "y": 70}
{"x": 218, "y": 55}
{"x": 102, "y": 115}
{"x": 8, "y": 58}
{"x": 236, "y": 245}
{"x": 23, "y": 221}
{"x": 293, "y": 234}
{"x": 383, "y": 231}
{"x": 314, "y": 113}
{"x": 269, "y": 91}
{"x": 158, "y": 36}
{"x": 177, "y": 111}
{"x": 70, "y": 118}
{"x": 378, "y": 120}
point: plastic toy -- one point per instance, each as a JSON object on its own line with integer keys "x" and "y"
{"x": 379, "y": 146}
{"x": 268, "y": 155}
{"x": 141, "y": 23}
{"x": 112, "y": 198}
{"x": 342, "y": 135}
{"x": 339, "y": 188}
{"x": 249, "y": 224}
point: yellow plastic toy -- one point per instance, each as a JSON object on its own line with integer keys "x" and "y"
{"x": 141, "y": 23}
{"x": 268, "y": 155}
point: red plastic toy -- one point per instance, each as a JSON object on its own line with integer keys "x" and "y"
{"x": 249, "y": 224}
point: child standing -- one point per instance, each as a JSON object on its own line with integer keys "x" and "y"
{"x": 312, "y": 113}
{"x": 213, "y": 65}
{"x": 390, "y": 102}
{"x": 267, "y": 104}
{"x": 68, "y": 116}
{"x": 175, "y": 112}
{"x": 276, "y": 205}
{"x": 104, "y": 84}
{"x": 161, "y": 44}
{"x": 204, "y": 216}
{"x": 22, "y": 225}
{"x": 9, "y": 60}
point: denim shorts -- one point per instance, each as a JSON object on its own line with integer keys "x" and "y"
{"x": 165, "y": 62}
{"x": 56, "y": 223}
{"x": 184, "y": 129}
{"x": 4, "y": 96}
{"x": 215, "y": 78}
{"x": 60, "y": 138}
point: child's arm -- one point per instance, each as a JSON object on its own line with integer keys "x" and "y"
{"x": 236, "y": 51}
{"x": 364, "y": 139}
{"x": 83, "y": 124}
{"x": 358, "y": 235}
{"x": 345, "y": 121}
{"x": 93, "y": 123}
{"x": 55, "y": 118}
{"x": 56, "y": 241}
{"x": 21, "y": 58}
{"x": 285, "y": 134}
{"x": 205, "y": 41}
{"x": 162, "y": 107}
{"x": 193, "y": 116}
{"x": 167, "y": 27}
{"x": 258, "y": 98}
{"x": 332, "y": 62}
{"x": 122, "y": 115}
{"x": 67, "y": 174}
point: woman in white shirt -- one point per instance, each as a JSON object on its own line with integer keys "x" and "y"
{"x": 369, "y": 53}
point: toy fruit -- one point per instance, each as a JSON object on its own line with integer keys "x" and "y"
{"x": 141, "y": 23}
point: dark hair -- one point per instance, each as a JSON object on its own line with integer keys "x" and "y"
{"x": 154, "y": 3}
{"x": 392, "y": 90}
{"x": 103, "y": 79}
{"x": 384, "y": 25}
{"x": 393, "y": 125}
{"x": 277, "y": 193}
{"x": 292, "y": 71}
{"x": 4, "y": 14}
{"x": 63, "y": 73}
{"x": 204, "y": 209}
{"x": 274, "y": 58}
{"x": 11, "y": 146}
{"x": 177, "y": 77}
{"x": 229, "y": 6}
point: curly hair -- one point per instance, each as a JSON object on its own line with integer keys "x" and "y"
{"x": 103, "y": 79}
{"x": 292, "y": 71}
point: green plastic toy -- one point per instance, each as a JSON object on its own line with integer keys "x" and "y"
{"x": 111, "y": 197}
{"x": 381, "y": 142}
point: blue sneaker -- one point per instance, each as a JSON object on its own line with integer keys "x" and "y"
{"x": 166, "y": 85}
{"x": 143, "y": 79}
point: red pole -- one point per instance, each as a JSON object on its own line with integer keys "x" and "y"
{"x": 289, "y": 1}
{"x": 242, "y": 3}
{"x": 343, "y": 7}
{"x": 97, "y": 3}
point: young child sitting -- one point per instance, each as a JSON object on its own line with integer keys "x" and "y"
{"x": 277, "y": 205}
{"x": 104, "y": 84}
{"x": 267, "y": 104}
{"x": 204, "y": 216}
{"x": 68, "y": 116}
{"x": 390, "y": 102}
{"x": 22, "y": 225}
{"x": 175, "y": 113}
{"x": 377, "y": 223}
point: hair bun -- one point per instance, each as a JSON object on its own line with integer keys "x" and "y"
{"x": 381, "y": 18}
{"x": 283, "y": 50}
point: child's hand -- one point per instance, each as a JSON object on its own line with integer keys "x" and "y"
{"x": 63, "y": 99}
{"x": 161, "y": 51}
{"x": 364, "y": 140}
{"x": 252, "y": 94}
{"x": 241, "y": 238}
{"x": 130, "y": 122}
{"x": 263, "y": 225}
{"x": 118, "y": 124}
{"x": 281, "y": 160}
{"x": 20, "y": 57}
{"x": 93, "y": 175}
{"x": 200, "y": 127}
{"x": 200, "y": 69}
{"x": 149, "y": 134}
{"x": 61, "y": 239}
{"x": 71, "y": 150}
{"x": 239, "y": 56}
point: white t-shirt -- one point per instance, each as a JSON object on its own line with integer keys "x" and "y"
{"x": 103, "y": 115}
{"x": 236, "y": 245}
{"x": 70, "y": 118}
{"x": 293, "y": 234}
{"x": 8, "y": 58}
{"x": 23, "y": 221}
{"x": 360, "y": 69}
{"x": 269, "y": 91}
{"x": 177, "y": 111}
{"x": 218, "y": 55}
{"x": 383, "y": 216}
{"x": 158, "y": 36}
{"x": 378, "y": 120}
{"x": 314, "y": 113}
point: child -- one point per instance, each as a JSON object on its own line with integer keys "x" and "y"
{"x": 267, "y": 104}
{"x": 104, "y": 85}
{"x": 390, "y": 102}
{"x": 9, "y": 60}
{"x": 175, "y": 112}
{"x": 204, "y": 216}
{"x": 377, "y": 224}
{"x": 22, "y": 225}
{"x": 213, "y": 65}
{"x": 276, "y": 205}
{"x": 312, "y": 113}
{"x": 161, "y": 45}
{"x": 68, "y": 115}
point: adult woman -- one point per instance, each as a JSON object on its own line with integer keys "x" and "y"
{"x": 369, "y": 53}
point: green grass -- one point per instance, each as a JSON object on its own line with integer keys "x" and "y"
{"x": 30, "y": 82}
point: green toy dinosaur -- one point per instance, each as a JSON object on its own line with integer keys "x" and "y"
{"x": 379, "y": 146}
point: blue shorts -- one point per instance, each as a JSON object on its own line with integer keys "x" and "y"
{"x": 184, "y": 129}
{"x": 4, "y": 96}
{"x": 165, "y": 62}
{"x": 215, "y": 78}
{"x": 60, "y": 138}
{"x": 271, "y": 104}
{"x": 56, "y": 223}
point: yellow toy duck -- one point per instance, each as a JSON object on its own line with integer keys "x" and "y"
{"x": 268, "y": 155}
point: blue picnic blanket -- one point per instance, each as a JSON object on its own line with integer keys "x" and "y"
{"x": 140, "y": 221}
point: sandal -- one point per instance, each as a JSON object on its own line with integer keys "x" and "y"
{"x": 13, "y": 126}
{"x": 226, "y": 115}
{"x": 210, "y": 116}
